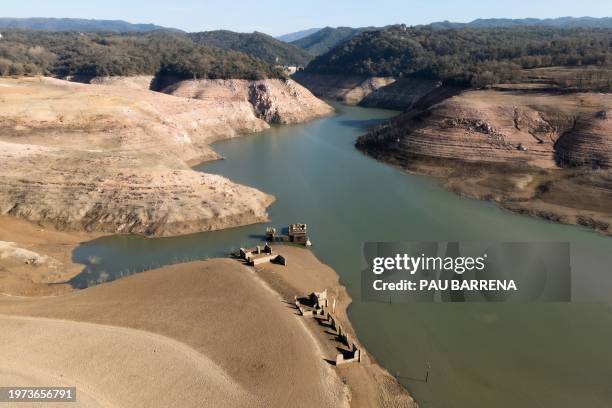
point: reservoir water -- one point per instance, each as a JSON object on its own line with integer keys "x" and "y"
{"x": 480, "y": 355}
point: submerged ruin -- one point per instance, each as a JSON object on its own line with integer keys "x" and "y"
{"x": 297, "y": 233}
{"x": 258, "y": 255}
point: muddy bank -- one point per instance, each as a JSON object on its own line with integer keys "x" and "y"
{"x": 533, "y": 152}
{"x": 116, "y": 158}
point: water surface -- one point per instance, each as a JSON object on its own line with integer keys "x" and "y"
{"x": 547, "y": 355}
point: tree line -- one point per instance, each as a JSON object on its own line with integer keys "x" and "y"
{"x": 475, "y": 56}
{"x": 25, "y": 52}
{"x": 256, "y": 44}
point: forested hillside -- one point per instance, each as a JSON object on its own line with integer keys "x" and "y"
{"x": 475, "y": 56}
{"x": 256, "y": 44}
{"x": 327, "y": 38}
{"x": 96, "y": 54}
{"x": 290, "y": 37}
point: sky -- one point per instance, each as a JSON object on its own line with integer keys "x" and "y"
{"x": 276, "y": 17}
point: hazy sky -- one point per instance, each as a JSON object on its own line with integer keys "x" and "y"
{"x": 279, "y": 17}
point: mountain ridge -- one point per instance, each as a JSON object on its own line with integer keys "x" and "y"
{"x": 558, "y": 22}
{"x": 290, "y": 37}
{"x": 256, "y": 44}
{"x": 77, "y": 24}
{"x": 324, "y": 39}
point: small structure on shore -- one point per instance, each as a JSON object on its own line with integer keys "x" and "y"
{"x": 258, "y": 255}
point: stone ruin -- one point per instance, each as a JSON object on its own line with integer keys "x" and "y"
{"x": 318, "y": 304}
{"x": 297, "y": 234}
{"x": 258, "y": 255}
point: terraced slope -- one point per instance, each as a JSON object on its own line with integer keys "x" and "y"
{"x": 547, "y": 154}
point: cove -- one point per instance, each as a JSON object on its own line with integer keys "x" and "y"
{"x": 480, "y": 355}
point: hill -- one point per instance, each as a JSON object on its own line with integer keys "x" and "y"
{"x": 256, "y": 44}
{"x": 322, "y": 40}
{"x": 76, "y": 24}
{"x": 561, "y": 22}
{"x": 297, "y": 35}
{"x": 327, "y": 38}
{"x": 96, "y": 54}
{"x": 476, "y": 56}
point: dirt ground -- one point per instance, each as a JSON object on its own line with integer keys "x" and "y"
{"x": 230, "y": 330}
{"x": 21, "y": 277}
{"x": 540, "y": 153}
{"x": 369, "y": 384}
{"x": 116, "y": 159}
{"x": 192, "y": 335}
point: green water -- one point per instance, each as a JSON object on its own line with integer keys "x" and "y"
{"x": 481, "y": 355}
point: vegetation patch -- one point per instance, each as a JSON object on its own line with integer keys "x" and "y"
{"x": 24, "y": 52}
{"x": 474, "y": 56}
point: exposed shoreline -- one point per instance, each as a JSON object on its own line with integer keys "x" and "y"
{"x": 141, "y": 143}
{"x": 533, "y": 152}
{"x": 370, "y": 384}
{"x": 461, "y": 180}
{"x": 21, "y": 277}
{"x": 164, "y": 301}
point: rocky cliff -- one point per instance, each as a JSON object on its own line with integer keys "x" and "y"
{"x": 272, "y": 100}
{"x": 116, "y": 158}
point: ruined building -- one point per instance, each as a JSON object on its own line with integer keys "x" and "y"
{"x": 298, "y": 233}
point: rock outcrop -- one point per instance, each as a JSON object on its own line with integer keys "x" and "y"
{"x": 272, "y": 100}
{"x": 116, "y": 159}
